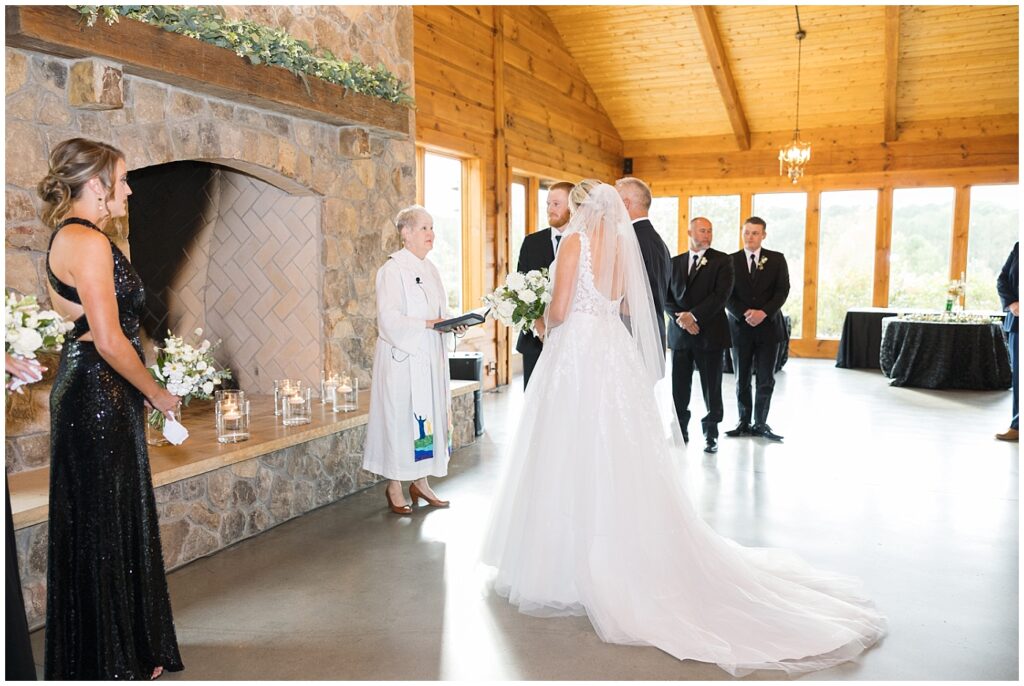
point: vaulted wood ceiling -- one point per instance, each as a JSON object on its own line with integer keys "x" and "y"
{"x": 653, "y": 68}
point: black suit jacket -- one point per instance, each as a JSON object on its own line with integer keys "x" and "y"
{"x": 1008, "y": 285}
{"x": 658, "y": 262}
{"x": 704, "y": 294}
{"x": 767, "y": 291}
{"x": 536, "y": 252}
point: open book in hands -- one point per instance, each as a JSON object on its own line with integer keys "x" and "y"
{"x": 471, "y": 318}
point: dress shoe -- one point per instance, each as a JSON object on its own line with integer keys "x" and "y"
{"x": 416, "y": 494}
{"x": 397, "y": 509}
{"x": 740, "y": 430}
{"x": 764, "y": 431}
{"x": 1010, "y": 435}
{"x": 711, "y": 446}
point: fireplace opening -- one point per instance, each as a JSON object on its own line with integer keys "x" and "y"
{"x": 222, "y": 250}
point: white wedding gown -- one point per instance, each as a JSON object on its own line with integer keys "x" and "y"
{"x": 592, "y": 518}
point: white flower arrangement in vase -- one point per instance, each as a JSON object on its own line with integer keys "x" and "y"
{"x": 185, "y": 370}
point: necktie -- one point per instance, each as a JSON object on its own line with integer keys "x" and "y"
{"x": 693, "y": 265}
{"x": 558, "y": 241}
{"x": 753, "y": 265}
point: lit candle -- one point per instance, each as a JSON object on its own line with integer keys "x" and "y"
{"x": 232, "y": 414}
{"x": 345, "y": 388}
{"x": 296, "y": 399}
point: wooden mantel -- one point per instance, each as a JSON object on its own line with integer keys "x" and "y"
{"x": 152, "y": 53}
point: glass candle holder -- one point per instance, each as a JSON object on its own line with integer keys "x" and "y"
{"x": 297, "y": 408}
{"x": 282, "y": 389}
{"x": 232, "y": 413}
{"x": 346, "y": 395}
{"x": 328, "y": 382}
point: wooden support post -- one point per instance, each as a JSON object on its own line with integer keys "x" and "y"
{"x": 684, "y": 222}
{"x": 746, "y": 210}
{"x": 812, "y": 231}
{"x": 503, "y": 343}
{"x": 961, "y": 226}
{"x": 883, "y": 248}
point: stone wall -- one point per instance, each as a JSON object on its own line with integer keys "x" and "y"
{"x": 358, "y": 178}
{"x": 209, "y": 512}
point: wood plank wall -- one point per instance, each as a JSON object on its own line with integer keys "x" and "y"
{"x": 495, "y": 83}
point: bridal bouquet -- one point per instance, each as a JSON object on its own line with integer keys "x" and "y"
{"x": 188, "y": 371}
{"x": 30, "y": 330}
{"x": 522, "y": 300}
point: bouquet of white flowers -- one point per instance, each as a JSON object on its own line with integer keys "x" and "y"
{"x": 30, "y": 330}
{"x": 188, "y": 371}
{"x": 522, "y": 300}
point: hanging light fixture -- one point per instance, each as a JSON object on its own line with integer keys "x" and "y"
{"x": 795, "y": 156}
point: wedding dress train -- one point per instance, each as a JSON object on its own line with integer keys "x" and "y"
{"x": 592, "y": 517}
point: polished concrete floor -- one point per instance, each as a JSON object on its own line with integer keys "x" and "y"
{"x": 903, "y": 488}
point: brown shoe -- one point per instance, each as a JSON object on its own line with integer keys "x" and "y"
{"x": 1010, "y": 435}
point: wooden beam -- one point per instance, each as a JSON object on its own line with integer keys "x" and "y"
{"x": 883, "y": 248}
{"x": 534, "y": 212}
{"x": 715, "y": 50}
{"x": 152, "y": 53}
{"x": 501, "y": 176}
{"x": 961, "y": 225}
{"x": 892, "y": 55}
{"x": 812, "y": 232}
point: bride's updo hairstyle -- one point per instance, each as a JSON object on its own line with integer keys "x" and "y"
{"x": 72, "y": 163}
{"x": 580, "y": 192}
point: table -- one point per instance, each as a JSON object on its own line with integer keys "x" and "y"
{"x": 945, "y": 355}
{"x": 861, "y": 339}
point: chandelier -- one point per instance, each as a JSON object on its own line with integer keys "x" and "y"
{"x": 795, "y": 156}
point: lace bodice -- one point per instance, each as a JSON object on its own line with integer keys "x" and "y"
{"x": 588, "y": 299}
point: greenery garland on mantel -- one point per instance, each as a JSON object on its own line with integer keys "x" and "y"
{"x": 259, "y": 44}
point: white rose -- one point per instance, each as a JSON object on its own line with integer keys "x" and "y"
{"x": 198, "y": 332}
{"x": 204, "y": 347}
{"x": 545, "y": 297}
{"x": 27, "y": 343}
{"x": 506, "y": 309}
{"x": 208, "y": 387}
{"x": 515, "y": 281}
{"x": 527, "y": 296}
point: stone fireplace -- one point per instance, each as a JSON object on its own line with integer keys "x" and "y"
{"x": 263, "y": 225}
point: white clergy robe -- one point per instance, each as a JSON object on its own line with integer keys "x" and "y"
{"x": 408, "y": 432}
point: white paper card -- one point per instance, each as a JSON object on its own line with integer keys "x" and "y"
{"x": 175, "y": 432}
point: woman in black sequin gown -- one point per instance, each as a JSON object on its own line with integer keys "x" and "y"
{"x": 108, "y": 614}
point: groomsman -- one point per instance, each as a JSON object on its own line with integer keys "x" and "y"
{"x": 1008, "y": 285}
{"x": 538, "y": 252}
{"x": 636, "y": 196}
{"x": 701, "y": 283}
{"x": 755, "y": 316}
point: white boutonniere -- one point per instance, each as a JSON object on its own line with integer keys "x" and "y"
{"x": 703, "y": 261}
{"x": 761, "y": 263}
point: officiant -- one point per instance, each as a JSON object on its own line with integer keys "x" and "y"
{"x": 408, "y": 437}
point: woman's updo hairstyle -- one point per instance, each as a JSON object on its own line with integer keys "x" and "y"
{"x": 72, "y": 163}
{"x": 581, "y": 191}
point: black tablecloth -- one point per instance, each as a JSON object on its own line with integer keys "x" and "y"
{"x": 861, "y": 340}
{"x": 779, "y": 361}
{"x": 945, "y": 355}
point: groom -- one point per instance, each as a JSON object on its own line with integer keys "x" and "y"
{"x": 538, "y": 252}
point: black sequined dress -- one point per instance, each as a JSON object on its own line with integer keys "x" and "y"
{"x": 108, "y": 614}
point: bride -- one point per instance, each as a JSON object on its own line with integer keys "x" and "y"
{"x": 592, "y": 517}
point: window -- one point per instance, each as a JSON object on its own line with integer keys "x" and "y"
{"x": 516, "y": 222}
{"x": 724, "y": 213}
{"x": 664, "y": 214}
{"x": 993, "y": 228}
{"x": 922, "y": 232}
{"x": 846, "y": 256}
{"x": 786, "y": 217}
{"x": 443, "y": 196}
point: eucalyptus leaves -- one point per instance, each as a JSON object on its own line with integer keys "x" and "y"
{"x": 259, "y": 44}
